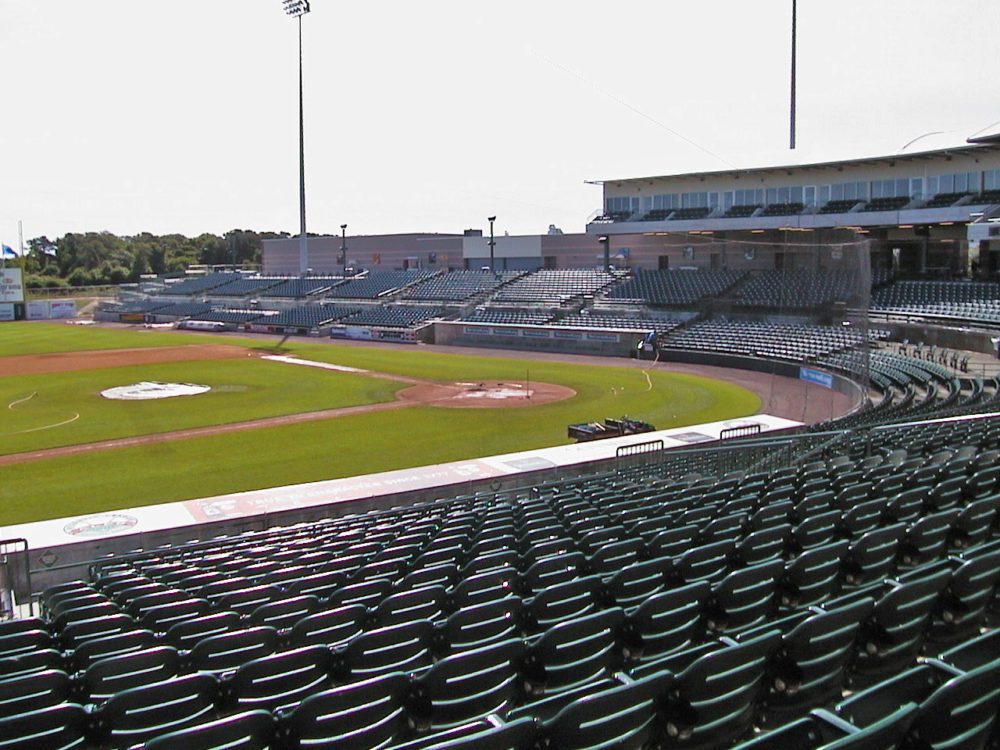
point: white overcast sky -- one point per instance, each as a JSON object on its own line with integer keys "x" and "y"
{"x": 182, "y": 115}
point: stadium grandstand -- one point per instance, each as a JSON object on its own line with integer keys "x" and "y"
{"x": 751, "y": 584}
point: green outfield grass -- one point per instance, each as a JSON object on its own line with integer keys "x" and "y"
{"x": 45, "y": 411}
{"x": 346, "y": 446}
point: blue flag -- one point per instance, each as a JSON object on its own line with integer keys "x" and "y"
{"x": 8, "y": 252}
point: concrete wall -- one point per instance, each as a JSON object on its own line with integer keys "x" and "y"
{"x": 568, "y": 340}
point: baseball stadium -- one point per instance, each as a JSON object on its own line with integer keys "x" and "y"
{"x": 719, "y": 471}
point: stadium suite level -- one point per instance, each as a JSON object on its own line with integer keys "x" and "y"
{"x": 926, "y": 213}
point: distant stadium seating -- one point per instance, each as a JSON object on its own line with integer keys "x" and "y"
{"x": 839, "y": 206}
{"x": 673, "y": 287}
{"x": 311, "y": 316}
{"x": 392, "y": 316}
{"x": 621, "y": 322}
{"x": 974, "y": 301}
{"x": 783, "y": 209}
{"x": 798, "y": 289}
{"x": 894, "y": 203}
{"x": 945, "y": 199}
{"x": 554, "y": 288}
{"x": 798, "y": 343}
{"x": 244, "y": 287}
{"x": 298, "y": 288}
{"x": 511, "y": 317}
{"x": 458, "y": 285}
{"x": 200, "y": 284}
{"x": 376, "y": 284}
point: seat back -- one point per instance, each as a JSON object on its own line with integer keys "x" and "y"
{"x": 960, "y": 713}
{"x": 227, "y": 651}
{"x": 282, "y": 679}
{"x": 715, "y": 700}
{"x": 59, "y": 727}
{"x": 249, "y": 730}
{"x": 107, "y": 676}
{"x": 397, "y": 648}
{"x": 468, "y": 685}
{"x": 138, "y": 715}
{"x": 29, "y": 692}
{"x": 622, "y": 717}
{"x": 667, "y": 622}
{"x": 368, "y": 713}
{"x": 574, "y": 652}
{"x": 329, "y": 627}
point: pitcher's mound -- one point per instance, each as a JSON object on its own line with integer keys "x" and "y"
{"x": 489, "y": 394}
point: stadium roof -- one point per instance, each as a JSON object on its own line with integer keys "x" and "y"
{"x": 989, "y": 142}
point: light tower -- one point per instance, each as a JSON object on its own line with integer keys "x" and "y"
{"x": 493, "y": 243}
{"x": 297, "y": 9}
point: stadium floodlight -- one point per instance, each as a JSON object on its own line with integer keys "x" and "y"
{"x": 297, "y": 9}
{"x": 343, "y": 246}
{"x": 493, "y": 269}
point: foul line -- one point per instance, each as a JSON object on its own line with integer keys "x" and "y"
{"x": 311, "y": 363}
{"x": 75, "y": 417}
{"x": 12, "y": 404}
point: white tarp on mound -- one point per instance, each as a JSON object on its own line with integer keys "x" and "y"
{"x": 149, "y": 390}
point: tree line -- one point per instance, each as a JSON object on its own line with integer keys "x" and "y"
{"x": 99, "y": 258}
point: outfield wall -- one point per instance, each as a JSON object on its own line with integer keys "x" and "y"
{"x": 549, "y": 338}
{"x": 61, "y": 549}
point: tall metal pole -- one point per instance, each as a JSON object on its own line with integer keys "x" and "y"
{"x": 343, "y": 246}
{"x": 791, "y": 138}
{"x": 303, "y": 249}
{"x": 493, "y": 269}
{"x": 299, "y": 8}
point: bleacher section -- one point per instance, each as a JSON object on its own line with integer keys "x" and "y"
{"x": 894, "y": 203}
{"x": 797, "y": 289}
{"x": 577, "y": 614}
{"x": 181, "y": 309}
{"x": 610, "y": 321}
{"x": 674, "y": 287}
{"x": 838, "y": 206}
{"x": 740, "y": 211}
{"x": 508, "y": 317}
{"x": 783, "y": 209}
{"x": 200, "y": 284}
{"x": 376, "y": 284}
{"x": 797, "y": 343}
{"x": 392, "y": 316}
{"x": 555, "y": 288}
{"x": 244, "y": 287}
{"x": 974, "y": 301}
{"x": 311, "y": 316}
{"x": 233, "y": 316}
{"x": 457, "y": 286}
{"x": 300, "y": 288}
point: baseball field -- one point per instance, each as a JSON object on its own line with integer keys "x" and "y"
{"x": 318, "y": 411}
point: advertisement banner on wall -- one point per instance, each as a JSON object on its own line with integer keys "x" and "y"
{"x": 37, "y": 310}
{"x": 62, "y": 308}
{"x": 11, "y": 288}
{"x": 6, "y": 311}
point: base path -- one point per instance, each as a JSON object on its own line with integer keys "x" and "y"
{"x": 40, "y": 364}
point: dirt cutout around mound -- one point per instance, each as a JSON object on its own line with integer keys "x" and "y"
{"x": 490, "y": 394}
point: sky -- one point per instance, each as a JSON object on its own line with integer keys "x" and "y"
{"x": 177, "y": 116}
